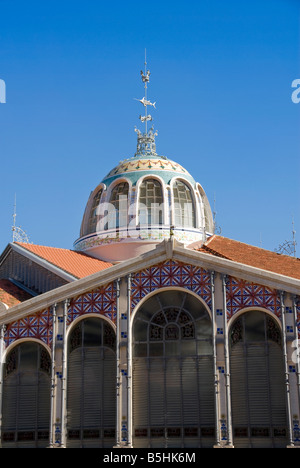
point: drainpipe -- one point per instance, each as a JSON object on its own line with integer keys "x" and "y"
{"x": 51, "y": 439}
{"x": 118, "y": 381}
{"x": 2, "y": 334}
{"x": 129, "y": 364}
{"x": 227, "y": 366}
{"x": 286, "y": 370}
{"x": 216, "y": 376}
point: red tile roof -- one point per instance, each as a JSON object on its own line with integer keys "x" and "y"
{"x": 253, "y": 256}
{"x": 75, "y": 263}
{"x": 10, "y": 294}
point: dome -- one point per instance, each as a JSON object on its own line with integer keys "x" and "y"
{"x": 141, "y": 202}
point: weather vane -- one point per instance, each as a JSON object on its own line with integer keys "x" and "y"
{"x": 146, "y": 78}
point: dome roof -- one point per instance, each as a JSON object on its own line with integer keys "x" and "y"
{"x": 142, "y": 201}
{"x": 141, "y": 165}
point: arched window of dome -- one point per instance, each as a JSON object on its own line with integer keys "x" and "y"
{"x": 184, "y": 207}
{"x": 117, "y": 212}
{"x": 94, "y": 216}
{"x": 208, "y": 217}
{"x": 150, "y": 202}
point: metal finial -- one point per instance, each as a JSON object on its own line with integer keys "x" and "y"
{"x": 146, "y": 78}
{"x": 18, "y": 234}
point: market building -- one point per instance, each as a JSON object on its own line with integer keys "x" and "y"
{"x": 152, "y": 331}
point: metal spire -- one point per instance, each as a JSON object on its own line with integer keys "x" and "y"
{"x": 18, "y": 234}
{"x": 146, "y": 141}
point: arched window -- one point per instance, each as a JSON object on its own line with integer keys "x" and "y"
{"x": 257, "y": 382}
{"x": 26, "y": 397}
{"x": 173, "y": 384}
{"x": 150, "y": 202}
{"x": 94, "y": 216}
{"x": 184, "y": 208}
{"x": 91, "y": 392}
{"x": 117, "y": 212}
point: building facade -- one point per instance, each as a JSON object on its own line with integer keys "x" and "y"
{"x": 153, "y": 331}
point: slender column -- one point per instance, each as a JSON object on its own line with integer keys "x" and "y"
{"x": 216, "y": 374}
{"x": 118, "y": 369}
{"x": 129, "y": 363}
{"x": 286, "y": 370}
{"x": 227, "y": 366}
{"x": 64, "y": 374}
{"x": 53, "y": 385}
{"x": 296, "y": 357}
{"x": 2, "y": 347}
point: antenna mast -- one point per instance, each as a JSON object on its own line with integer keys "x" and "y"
{"x": 288, "y": 247}
{"x": 18, "y": 234}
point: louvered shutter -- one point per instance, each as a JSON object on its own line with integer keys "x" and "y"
{"x": 258, "y": 395}
{"x": 91, "y": 399}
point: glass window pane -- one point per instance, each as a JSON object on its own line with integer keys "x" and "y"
{"x": 140, "y": 330}
{"x": 92, "y": 332}
{"x": 118, "y": 208}
{"x": 28, "y": 356}
{"x": 255, "y": 326}
{"x": 184, "y": 205}
{"x": 156, "y": 349}
{"x": 150, "y": 202}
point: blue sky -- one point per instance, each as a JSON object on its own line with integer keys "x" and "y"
{"x": 221, "y": 74}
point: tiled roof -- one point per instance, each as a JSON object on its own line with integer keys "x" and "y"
{"x": 10, "y": 294}
{"x": 253, "y": 256}
{"x": 75, "y": 263}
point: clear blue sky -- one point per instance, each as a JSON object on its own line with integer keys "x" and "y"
{"x": 221, "y": 73}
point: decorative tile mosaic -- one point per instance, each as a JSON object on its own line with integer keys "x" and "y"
{"x": 37, "y": 326}
{"x": 298, "y": 315}
{"x": 241, "y": 294}
{"x": 167, "y": 274}
{"x": 100, "y": 301}
{"x": 143, "y": 164}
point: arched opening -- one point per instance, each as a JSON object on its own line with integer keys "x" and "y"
{"x": 94, "y": 216}
{"x": 91, "y": 384}
{"x": 150, "y": 202}
{"x": 117, "y": 212}
{"x": 26, "y": 397}
{"x": 184, "y": 206}
{"x": 257, "y": 382}
{"x": 173, "y": 383}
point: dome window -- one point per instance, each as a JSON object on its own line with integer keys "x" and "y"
{"x": 150, "y": 202}
{"x": 184, "y": 208}
{"x": 117, "y": 213}
{"x": 94, "y": 216}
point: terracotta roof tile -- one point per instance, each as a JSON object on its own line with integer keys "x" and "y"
{"x": 253, "y": 256}
{"x": 75, "y": 263}
{"x": 10, "y": 294}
